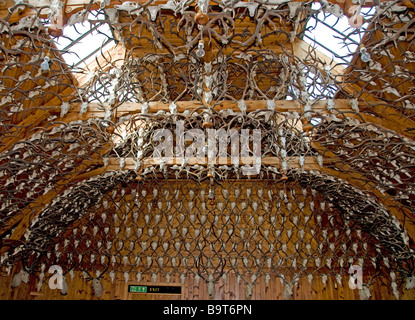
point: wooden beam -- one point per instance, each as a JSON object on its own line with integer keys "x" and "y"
{"x": 306, "y": 51}
{"x": 97, "y": 111}
{"x": 377, "y": 110}
{"x": 19, "y": 131}
{"x": 384, "y": 116}
{"x": 310, "y": 163}
{"x": 115, "y": 54}
{"x": 369, "y": 111}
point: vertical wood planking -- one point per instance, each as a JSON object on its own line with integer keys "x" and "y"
{"x": 80, "y": 289}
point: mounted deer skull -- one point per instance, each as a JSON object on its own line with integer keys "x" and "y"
{"x": 211, "y": 287}
{"x": 97, "y": 286}
{"x": 18, "y": 278}
{"x": 65, "y": 287}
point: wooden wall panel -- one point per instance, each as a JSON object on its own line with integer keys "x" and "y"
{"x": 80, "y": 289}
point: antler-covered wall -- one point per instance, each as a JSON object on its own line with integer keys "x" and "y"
{"x": 83, "y": 185}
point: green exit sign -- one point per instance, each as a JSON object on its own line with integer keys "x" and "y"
{"x": 155, "y": 289}
{"x": 139, "y": 289}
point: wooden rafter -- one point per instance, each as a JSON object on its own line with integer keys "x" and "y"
{"x": 113, "y": 57}
{"x": 306, "y": 51}
{"x": 384, "y": 116}
{"x": 310, "y": 162}
{"x": 97, "y": 111}
{"x": 18, "y": 132}
{"x": 377, "y": 108}
{"x": 40, "y": 116}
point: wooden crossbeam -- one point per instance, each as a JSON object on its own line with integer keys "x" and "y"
{"x": 306, "y": 51}
{"x": 98, "y": 111}
{"x": 379, "y": 114}
{"x": 310, "y": 162}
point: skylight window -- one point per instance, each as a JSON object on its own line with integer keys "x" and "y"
{"x": 326, "y": 32}
{"x": 82, "y": 42}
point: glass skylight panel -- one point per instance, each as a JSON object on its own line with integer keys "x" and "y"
{"x": 325, "y": 32}
{"x": 82, "y": 42}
